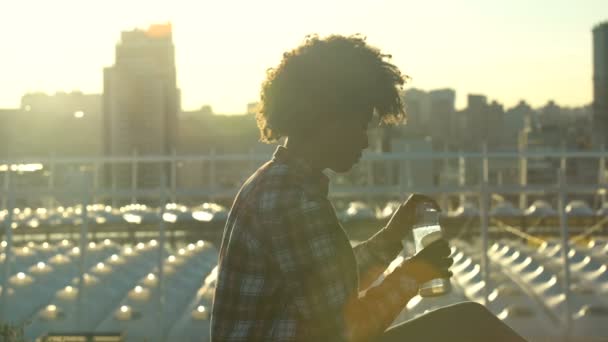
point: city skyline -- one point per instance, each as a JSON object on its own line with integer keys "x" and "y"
{"x": 520, "y": 51}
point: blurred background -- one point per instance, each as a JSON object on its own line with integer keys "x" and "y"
{"x": 126, "y": 129}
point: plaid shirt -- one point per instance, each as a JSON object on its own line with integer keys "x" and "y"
{"x": 287, "y": 271}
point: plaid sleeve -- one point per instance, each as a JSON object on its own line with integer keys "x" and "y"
{"x": 312, "y": 257}
{"x": 374, "y": 256}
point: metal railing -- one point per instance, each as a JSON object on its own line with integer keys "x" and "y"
{"x": 89, "y": 189}
{"x": 102, "y": 183}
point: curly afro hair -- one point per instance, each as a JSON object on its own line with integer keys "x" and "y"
{"x": 333, "y": 76}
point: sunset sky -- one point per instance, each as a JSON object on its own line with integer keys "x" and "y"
{"x": 509, "y": 50}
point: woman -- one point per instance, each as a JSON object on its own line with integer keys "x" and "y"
{"x": 287, "y": 271}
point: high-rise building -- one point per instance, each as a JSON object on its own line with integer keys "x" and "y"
{"x": 496, "y": 122}
{"x": 442, "y": 108}
{"x": 7, "y": 117}
{"x": 600, "y": 83}
{"x": 476, "y": 114}
{"x": 38, "y": 128}
{"x": 141, "y": 103}
{"x": 515, "y": 123}
{"x": 418, "y": 107}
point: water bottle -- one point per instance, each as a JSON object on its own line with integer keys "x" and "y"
{"x": 426, "y": 231}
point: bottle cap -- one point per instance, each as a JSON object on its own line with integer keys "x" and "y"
{"x": 426, "y": 213}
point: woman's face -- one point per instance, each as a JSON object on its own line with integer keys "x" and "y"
{"x": 343, "y": 141}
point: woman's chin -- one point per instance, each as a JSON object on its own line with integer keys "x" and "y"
{"x": 344, "y": 167}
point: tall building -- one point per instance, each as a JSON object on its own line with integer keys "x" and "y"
{"x": 514, "y": 124}
{"x": 7, "y": 116}
{"x": 496, "y": 122}
{"x": 141, "y": 103}
{"x": 38, "y": 128}
{"x": 442, "y": 108}
{"x": 481, "y": 123}
{"x": 600, "y": 83}
{"x": 476, "y": 126}
{"x": 418, "y": 107}
{"x": 224, "y": 134}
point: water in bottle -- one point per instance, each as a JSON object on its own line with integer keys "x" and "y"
{"x": 426, "y": 231}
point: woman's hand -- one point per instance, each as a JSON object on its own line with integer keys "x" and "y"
{"x": 432, "y": 262}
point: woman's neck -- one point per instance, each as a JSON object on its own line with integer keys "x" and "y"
{"x": 306, "y": 151}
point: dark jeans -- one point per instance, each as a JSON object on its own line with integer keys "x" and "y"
{"x": 459, "y": 322}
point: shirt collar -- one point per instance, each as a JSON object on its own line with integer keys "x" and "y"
{"x": 314, "y": 181}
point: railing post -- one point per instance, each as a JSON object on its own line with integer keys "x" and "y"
{"x": 174, "y": 176}
{"x": 8, "y": 250}
{"x": 563, "y": 162}
{"x": 408, "y": 167}
{"x": 95, "y": 181}
{"x": 84, "y": 235}
{"x": 563, "y": 220}
{"x": 401, "y": 177}
{"x": 462, "y": 176}
{"x": 212, "y": 171}
{"x": 523, "y": 176}
{"x": 445, "y": 197}
{"x": 161, "y": 255}
{"x": 484, "y": 222}
{"x": 7, "y": 176}
{"x": 601, "y": 177}
{"x": 134, "y": 176}
{"x": 51, "y": 182}
{"x": 485, "y": 166}
{"x": 113, "y": 174}
{"x": 389, "y": 170}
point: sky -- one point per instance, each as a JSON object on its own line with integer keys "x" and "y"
{"x": 508, "y": 50}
